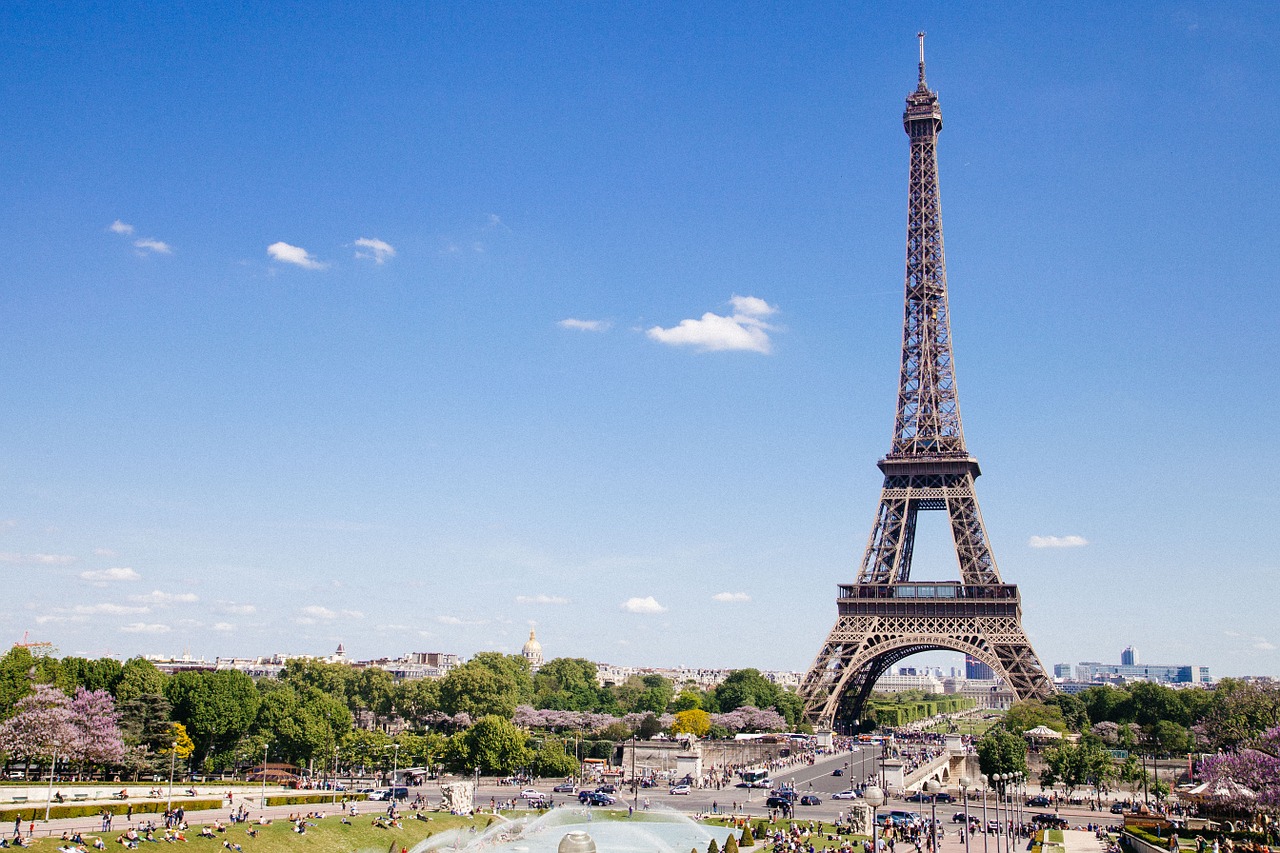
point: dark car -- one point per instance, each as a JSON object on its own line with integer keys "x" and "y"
{"x": 810, "y": 800}
{"x": 778, "y": 802}
{"x": 943, "y": 797}
{"x": 606, "y": 789}
{"x": 595, "y": 798}
{"x": 1117, "y": 808}
{"x": 1049, "y": 820}
{"x": 1038, "y": 802}
{"x": 837, "y": 772}
{"x": 564, "y": 788}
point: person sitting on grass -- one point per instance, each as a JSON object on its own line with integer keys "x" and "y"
{"x": 231, "y": 845}
{"x": 206, "y": 831}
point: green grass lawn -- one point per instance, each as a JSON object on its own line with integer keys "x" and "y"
{"x": 976, "y": 725}
{"x": 329, "y": 835}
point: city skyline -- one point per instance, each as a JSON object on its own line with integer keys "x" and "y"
{"x": 439, "y": 323}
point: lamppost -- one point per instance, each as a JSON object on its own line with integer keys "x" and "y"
{"x": 985, "y": 788}
{"x": 964, "y": 795}
{"x": 263, "y": 800}
{"x": 932, "y": 788}
{"x": 395, "y": 764}
{"x": 173, "y": 759}
{"x": 48, "y": 800}
{"x": 996, "y": 779}
{"x": 335, "y": 774}
{"x": 874, "y": 797}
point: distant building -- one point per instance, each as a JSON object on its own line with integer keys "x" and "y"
{"x": 985, "y": 693}
{"x": 976, "y": 670}
{"x": 532, "y": 651}
{"x": 1161, "y": 673}
{"x": 908, "y": 681}
{"x": 1062, "y": 670}
{"x": 1129, "y": 657}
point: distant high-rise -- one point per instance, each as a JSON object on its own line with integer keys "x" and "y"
{"x": 1129, "y": 657}
{"x": 1062, "y": 670}
{"x": 975, "y": 669}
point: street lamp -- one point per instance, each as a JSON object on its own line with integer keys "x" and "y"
{"x": 874, "y": 797}
{"x": 173, "y": 759}
{"x": 263, "y": 800}
{"x": 996, "y": 779}
{"x": 985, "y": 788}
{"x": 964, "y": 795}
{"x": 395, "y": 764}
{"x": 932, "y": 788}
{"x": 48, "y": 800}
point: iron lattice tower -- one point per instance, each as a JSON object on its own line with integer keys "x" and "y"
{"x": 884, "y": 616}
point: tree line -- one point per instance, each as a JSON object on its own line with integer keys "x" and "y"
{"x": 491, "y": 713}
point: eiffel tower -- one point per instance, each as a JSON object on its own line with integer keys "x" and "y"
{"x": 884, "y": 616}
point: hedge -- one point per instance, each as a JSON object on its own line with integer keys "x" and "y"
{"x": 313, "y": 799}
{"x": 117, "y": 808}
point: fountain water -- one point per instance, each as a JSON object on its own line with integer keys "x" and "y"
{"x": 657, "y": 831}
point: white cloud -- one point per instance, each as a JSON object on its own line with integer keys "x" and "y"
{"x": 100, "y": 576}
{"x": 378, "y": 250}
{"x": 119, "y": 227}
{"x": 58, "y": 617}
{"x": 103, "y": 552}
{"x": 37, "y": 559}
{"x": 1262, "y": 644}
{"x": 731, "y": 597}
{"x": 296, "y": 255}
{"x": 238, "y": 609}
{"x": 163, "y": 598}
{"x": 744, "y": 329}
{"x": 145, "y": 628}
{"x": 109, "y": 609}
{"x": 223, "y": 626}
{"x": 648, "y": 604}
{"x": 313, "y": 612}
{"x": 151, "y": 244}
{"x": 541, "y": 598}
{"x": 454, "y": 620}
{"x": 585, "y": 325}
{"x": 1057, "y": 541}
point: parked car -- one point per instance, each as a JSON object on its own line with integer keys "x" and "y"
{"x": 530, "y": 794}
{"x": 845, "y": 795}
{"x": 606, "y": 789}
{"x": 1039, "y": 801}
{"x": 679, "y": 789}
{"x": 944, "y": 797}
{"x": 1051, "y": 821}
{"x": 595, "y": 798}
{"x": 1117, "y": 808}
{"x": 564, "y": 788}
{"x": 810, "y": 800}
{"x": 777, "y": 802}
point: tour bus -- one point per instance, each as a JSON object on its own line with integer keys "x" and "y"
{"x": 755, "y": 778}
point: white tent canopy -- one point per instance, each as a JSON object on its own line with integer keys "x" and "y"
{"x": 1043, "y": 732}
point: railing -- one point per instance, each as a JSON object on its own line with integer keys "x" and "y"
{"x": 929, "y": 591}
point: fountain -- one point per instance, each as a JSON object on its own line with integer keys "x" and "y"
{"x": 654, "y": 831}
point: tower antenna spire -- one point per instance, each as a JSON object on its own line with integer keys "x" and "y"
{"x": 920, "y": 35}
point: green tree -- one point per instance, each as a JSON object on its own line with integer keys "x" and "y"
{"x": 1074, "y": 712}
{"x": 1153, "y": 703}
{"x": 489, "y": 684}
{"x": 494, "y": 744}
{"x": 649, "y": 727}
{"x": 688, "y": 699}
{"x": 568, "y": 684}
{"x": 1025, "y": 716}
{"x": 1238, "y": 713}
{"x": 16, "y": 670}
{"x": 99, "y": 674}
{"x": 1077, "y": 764}
{"x": 552, "y": 761}
{"x": 417, "y": 699}
{"x": 332, "y": 678}
{"x": 145, "y": 730}
{"x": 745, "y": 687}
{"x": 139, "y": 677}
{"x": 1002, "y": 751}
{"x": 1104, "y": 703}
{"x": 216, "y": 707}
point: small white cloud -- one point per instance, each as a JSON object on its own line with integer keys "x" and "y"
{"x": 648, "y": 604}
{"x": 454, "y": 620}
{"x": 163, "y": 598}
{"x": 373, "y": 249}
{"x": 745, "y": 329}
{"x": 731, "y": 597}
{"x": 37, "y": 559}
{"x": 541, "y": 599}
{"x": 223, "y": 626}
{"x": 313, "y": 612}
{"x": 1262, "y": 644}
{"x": 1057, "y": 541}
{"x": 109, "y": 609}
{"x": 237, "y": 609}
{"x": 145, "y": 628}
{"x": 110, "y": 575}
{"x": 585, "y": 325}
{"x": 295, "y": 255}
{"x": 103, "y": 552}
{"x": 119, "y": 227}
{"x": 150, "y": 244}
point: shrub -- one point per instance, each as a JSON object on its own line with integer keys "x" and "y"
{"x": 748, "y": 840}
{"x": 37, "y": 813}
{"x": 730, "y": 844}
{"x": 713, "y": 847}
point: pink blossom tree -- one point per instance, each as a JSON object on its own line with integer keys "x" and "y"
{"x": 42, "y": 728}
{"x": 1255, "y": 766}
{"x": 96, "y": 724}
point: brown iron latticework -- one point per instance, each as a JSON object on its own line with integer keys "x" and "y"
{"x": 884, "y": 616}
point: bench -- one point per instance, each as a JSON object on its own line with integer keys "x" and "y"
{"x": 79, "y": 796}
{"x": 19, "y": 799}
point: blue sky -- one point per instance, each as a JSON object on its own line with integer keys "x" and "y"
{"x": 284, "y": 359}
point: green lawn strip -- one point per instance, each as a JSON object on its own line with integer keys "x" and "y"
{"x": 820, "y": 841}
{"x": 1054, "y": 836}
{"x": 329, "y": 835}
